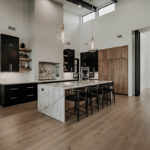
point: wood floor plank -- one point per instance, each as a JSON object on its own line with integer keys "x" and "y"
{"x": 122, "y": 126}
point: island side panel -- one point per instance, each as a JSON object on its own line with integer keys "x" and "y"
{"x": 51, "y": 102}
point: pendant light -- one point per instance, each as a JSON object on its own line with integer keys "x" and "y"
{"x": 63, "y": 28}
{"x": 63, "y": 34}
{"x": 92, "y": 38}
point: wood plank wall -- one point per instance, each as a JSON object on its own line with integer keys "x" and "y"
{"x": 113, "y": 65}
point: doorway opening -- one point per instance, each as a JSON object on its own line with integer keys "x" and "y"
{"x": 142, "y": 60}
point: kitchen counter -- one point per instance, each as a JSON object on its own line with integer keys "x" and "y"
{"x": 51, "y": 97}
{"x": 36, "y": 81}
{"x": 76, "y": 84}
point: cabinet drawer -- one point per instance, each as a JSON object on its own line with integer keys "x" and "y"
{"x": 13, "y": 91}
{"x": 30, "y": 87}
{"x": 30, "y": 97}
{"x": 16, "y": 94}
{"x": 12, "y": 101}
{"x": 30, "y": 92}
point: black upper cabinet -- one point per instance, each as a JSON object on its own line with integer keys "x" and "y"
{"x": 9, "y": 49}
{"x": 90, "y": 59}
{"x": 85, "y": 59}
{"x": 69, "y": 56}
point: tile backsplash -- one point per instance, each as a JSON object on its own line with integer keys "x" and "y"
{"x": 13, "y": 76}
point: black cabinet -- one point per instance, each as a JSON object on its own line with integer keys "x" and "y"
{"x": 69, "y": 56}
{"x": 16, "y": 94}
{"x": 85, "y": 59}
{"x": 90, "y": 59}
{"x": 9, "y": 49}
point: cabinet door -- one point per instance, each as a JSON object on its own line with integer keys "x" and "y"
{"x": 107, "y": 70}
{"x": 93, "y": 61}
{"x": 116, "y": 75}
{"x": 10, "y": 53}
{"x": 30, "y": 92}
{"x": 84, "y": 59}
{"x": 116, "y": 53}
{"x": 124, "y": 52}
{"x": 100, "y": 70}
{"x": 107, "y": 54}
{"x": 124, "y": 76}
{"x": 100, "y": 55}
{"x": 12, "y": 95}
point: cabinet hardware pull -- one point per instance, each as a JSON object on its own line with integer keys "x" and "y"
{"x": 30, "y": 87}
{"x": 14, "y": 98}
{"x": 30, "y": 95}
{"x": 13, "y": 89}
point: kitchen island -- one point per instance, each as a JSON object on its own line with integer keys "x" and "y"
{"x": 51, "y": 97}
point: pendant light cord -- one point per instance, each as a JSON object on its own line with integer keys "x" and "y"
{"x": 92, "y": 20}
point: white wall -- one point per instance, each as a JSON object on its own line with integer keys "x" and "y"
{"x": 38, "y": 24}
{"x": 72, "y": 35}
{"x": 72, "y": 31}
{"x": 46, "y": 21}
{"x": 145, "y": 61}
{"x": 15, "y": 13}
{"x": 129, "y": 15}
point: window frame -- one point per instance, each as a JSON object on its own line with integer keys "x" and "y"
{"x": 104, "y": 7}
{"x": 87, "y": 15}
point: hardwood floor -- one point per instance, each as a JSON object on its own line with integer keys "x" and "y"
{"x": 122, "y": 126}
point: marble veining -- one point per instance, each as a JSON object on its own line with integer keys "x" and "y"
{"x": 51, "y": 102}
{"x": 51, "y": 97}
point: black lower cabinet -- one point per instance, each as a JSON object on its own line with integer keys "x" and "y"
{"x": 16, "y": 94}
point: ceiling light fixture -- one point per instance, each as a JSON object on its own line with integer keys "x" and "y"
{"x": 63, "y": 34}
{"x": 63, "y": 30}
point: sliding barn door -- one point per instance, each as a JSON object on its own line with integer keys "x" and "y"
{"x": 113, "y": 65}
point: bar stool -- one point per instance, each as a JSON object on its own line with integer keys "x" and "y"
{"x": 103, "y": 94}
{"x": 78, "y": 95}
{"x": 110, "y": 92}
{"x": 93, "y": 93}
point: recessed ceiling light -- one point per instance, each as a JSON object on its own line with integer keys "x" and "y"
{"x": 80, "y": 6}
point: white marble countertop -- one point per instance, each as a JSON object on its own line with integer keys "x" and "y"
{"x": 30, "y": 82}
{"x": 76, "y": 84}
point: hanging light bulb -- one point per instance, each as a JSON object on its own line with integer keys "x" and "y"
{"x": 80, "y": 6}
{"x": 92, "y": 39}
{"x": 63, "y": 34}
{"x": 92, "y": 43}
{"x": 63, "y": 28}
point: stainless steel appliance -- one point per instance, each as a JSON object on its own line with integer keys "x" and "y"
{"x": 85, "y": 72}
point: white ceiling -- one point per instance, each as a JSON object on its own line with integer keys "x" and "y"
{"x": 81, "y": 11}
{"x": 97, "y": 3}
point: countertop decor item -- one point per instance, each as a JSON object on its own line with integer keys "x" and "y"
{"x": 22, "y": 45}
{"x": 25, "y": 55}
{"x": 24, "y": 58}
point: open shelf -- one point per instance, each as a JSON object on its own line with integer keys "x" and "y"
{"x": 25, "y": 50}
{"x": 24, "y": 69}
{"x": 25, "y": 59}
